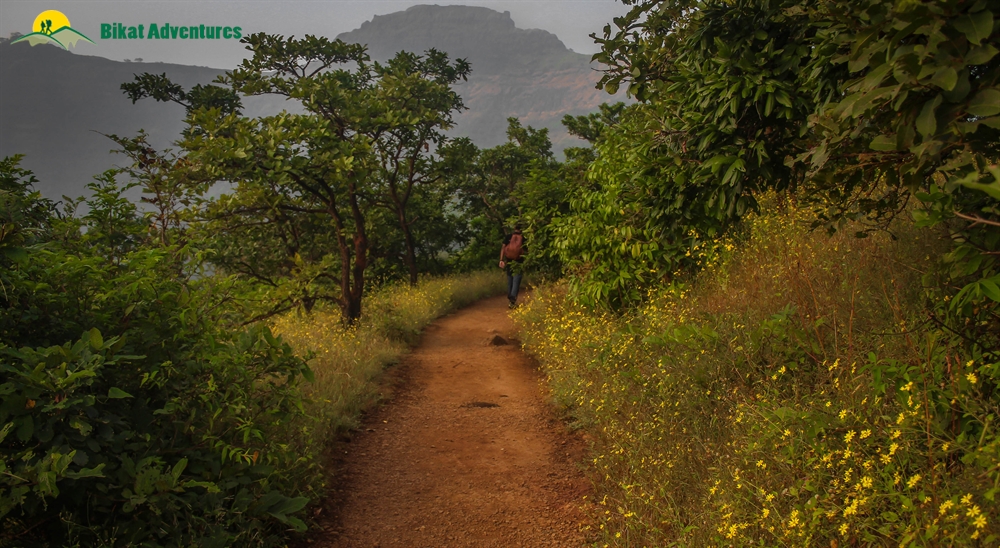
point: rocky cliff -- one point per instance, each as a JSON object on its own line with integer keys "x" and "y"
{"x": 527, "y": 73}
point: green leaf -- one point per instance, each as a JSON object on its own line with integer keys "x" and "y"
{"x": 985, "y": 103}
{"x": 980, "y": 55}
{"x": 876, "y": 76}
{"x": 945, "y": 78}
{"x": 990, "y": 289}
{"x": 26, "y": 429}
{"x": 116, "y": 393}
{"x": 927, "y": 121}
{"x": 207, "y": 485}
{"x": 81, "y": 425}
{"x": 5, "y": 430}
{"x": 16, "y": 254}
{"x": 96, "y": 341}
{"x": 292, "y": 505}
{"x": 975, "y": 26}
{"x": 991, "y": 189}
{"x": 96, "y": 472}
{"x": 883, "y": 143}
{"x": 178, "y": 469}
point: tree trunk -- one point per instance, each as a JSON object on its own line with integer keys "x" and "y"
{"x": 360, "y": 257}
{"x": 410, "y": 258}
{"x": 349, "y": 310}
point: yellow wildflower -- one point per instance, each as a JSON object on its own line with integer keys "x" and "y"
{"x": 945, "y": 506}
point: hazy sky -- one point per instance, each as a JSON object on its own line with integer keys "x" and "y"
{"x": 571, "y": 20}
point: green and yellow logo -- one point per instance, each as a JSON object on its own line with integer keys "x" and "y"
{"x": 52, "y": 27}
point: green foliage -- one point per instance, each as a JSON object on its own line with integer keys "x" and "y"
{"x": 795, "y": 393}
{"x": 591, "y": 127}
{"x": 917, "y": 119}
{"x": 26, "y": 214}
{"x": 869, "y": 105}
{"x": 722, "y": 109}
{"x": 619, "y": 236}
{"x": 160, "y": 88}
{"x": 131, "y": 414}
{"x": 515, "y": 183}
{"x": 306, "y": 188}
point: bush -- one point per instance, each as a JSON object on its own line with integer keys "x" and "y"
{"x": 795, "y": 393}
{"x": 131, "y": 415}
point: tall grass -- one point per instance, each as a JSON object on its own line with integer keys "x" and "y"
{"x": 347, "y": 361}
{"x": 793, "y": 394}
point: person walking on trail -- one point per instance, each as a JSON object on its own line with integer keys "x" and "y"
{"x": 511, "y": 257}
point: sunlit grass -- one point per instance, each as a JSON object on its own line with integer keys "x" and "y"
{"x": 793, "y": 394}
{"x": 348, "y": 360}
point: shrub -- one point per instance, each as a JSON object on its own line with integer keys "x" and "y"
{"x": 794, "y": 394}
{"x": 131, "y": 415}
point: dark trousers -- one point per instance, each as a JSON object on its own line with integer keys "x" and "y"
{"x": 513, "y": 283}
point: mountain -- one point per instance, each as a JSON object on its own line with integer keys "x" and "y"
{"x": 486, "y": 38}
{"x": 529, "y": 73}
{"x": 54, "y": 104}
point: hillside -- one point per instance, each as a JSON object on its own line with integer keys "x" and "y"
{"x": 529, "y": 73}
{"x": 55, "y": 104}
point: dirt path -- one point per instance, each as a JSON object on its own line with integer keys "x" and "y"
{"x": 466, "y": 454}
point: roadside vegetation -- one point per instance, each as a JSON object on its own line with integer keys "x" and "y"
{"x": 346, "y": 363}
{"x": 171, "y": 370}
{"x": 779, "y": 320}
{"x": 792, "y": 393}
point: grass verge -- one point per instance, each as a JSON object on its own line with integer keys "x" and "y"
{"x": 347, "y": 362}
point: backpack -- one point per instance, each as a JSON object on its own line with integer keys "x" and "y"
{"x": 515, "y": 248}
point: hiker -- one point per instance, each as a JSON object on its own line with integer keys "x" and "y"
{"x": 513, "y": 252}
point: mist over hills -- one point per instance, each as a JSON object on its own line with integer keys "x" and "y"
{"x": 55, "y": 104}
{"x": 529, "y": 73}
{"x": 486, "y": 38}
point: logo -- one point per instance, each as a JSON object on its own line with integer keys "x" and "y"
{"x": 52, "y": 27}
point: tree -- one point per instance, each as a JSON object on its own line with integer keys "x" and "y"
{"x": 488, "y": 185}
{"x": 720, "y": 110}
{"x": 404, "y": 166}
{"x": 916, "y": 125}
{"x": 739, "y": 98}
{"x": 323, "y": 162}
{"x": 591, "y": 126}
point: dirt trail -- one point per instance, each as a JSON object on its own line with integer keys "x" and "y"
{"x": 466, "y": 454}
